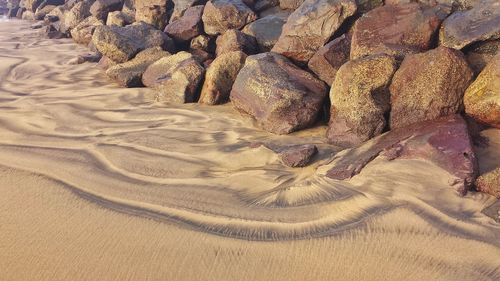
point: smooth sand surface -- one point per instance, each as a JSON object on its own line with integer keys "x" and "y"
{"x": 99, "y": 183}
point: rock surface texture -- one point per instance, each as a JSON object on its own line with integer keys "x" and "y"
{"x": 298, "y": 156}
{"x": 328, "y": 59}
{"x": 220, "y": 16}
{"x": 489, "y": 183}
{"x": 188, "y": 26}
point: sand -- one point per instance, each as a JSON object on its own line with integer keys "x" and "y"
{"x": 98, "y": 182}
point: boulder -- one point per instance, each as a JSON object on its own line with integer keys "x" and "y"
{"x": 101, "y": 8}
{"x": 153, "y": 12}
{"x": 328, "y": 59}
{"x": 482, "y": 98}
{"x": 360, "y": 100}
{"x": 129, "y": 9}
{"x": 57, "y": 14}
{"x": 298, "y": 155}
{"x": 290, "y": 4}
{"x": 82, "y": 33}
{"x": 123, "y": 43}
{"x": 28, "y": 15}
{"x": 429, "y": 85}
{"x": 493, "y": 211}
{"x": 200, "y": 42}
{"x": 180, "y": 6}
{"x": 266, "y": 31}
{"x": 220, "y": 16}
{"x": 188, "y": 26}
{"x": 394, "y": 29}
{"x": 262, "y": 5}
{"x": 33, "y": 5}
{"x": 220, "y": 77}
{"x": 479, "y": 54}
{"x": 175, "y": 78}
{"x": 235, "y": 40}
{"x": 86, "y": 57}
{"x": 42, "y": 12}
{"x": 119, "y": 18}
{"x": 480, "y": 23}
{"x": 51, "y": 32}
{"x": 310, "y": 26}
{"x": 281, "y": 97}
{"x": 105, "y": 63}
{"x": 364, "y": 6}
{"x": 129, "y": 74}
{"x": 489, "y": 183}
{"x": 79, "y": 12}
{"x": 444, "y": 142}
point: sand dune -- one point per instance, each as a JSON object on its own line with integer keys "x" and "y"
{"x": 100, "y": 183}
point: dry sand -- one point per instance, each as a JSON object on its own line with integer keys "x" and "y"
{"x": 98, "y": 183}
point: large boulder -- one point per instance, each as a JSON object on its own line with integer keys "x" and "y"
{"x": 266, "y": 31}
{"x": 188, "y": 26}
{"x": 310, "y": 26}
{"x": 123, "y": 43}
{"x": 328, "y": 59}
{"x": 445, "y": 142}
{"x": 175, "y": 78}
{"x": 220, "y": 16}
{"x": 480, "y": 23}
{"x": 489, "y": 183}
{"x": 129, "y": 74}
{"x": 119, "y": 18}
{"x": 281, "y": 97}
{"x": 220, "y": 77}
{"x": 482, "y": 98}
{"x": 235, "y": 40}
{"x": 360, "y": 100}
{"x": 43, "y": 11}
{"x": 82, "y": 33}
{"x": 429, "y": 85}
{"x": 79, "y": 12}
{"x": 480, "y": 54}
{"x": 153, "y": 12}
{"x": 180, "y": 6}
{"x": 395, "y": 29}
{"x": 101, "y": 8}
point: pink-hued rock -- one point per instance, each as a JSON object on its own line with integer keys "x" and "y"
{"x": 298, "y": 155}
{"x": 235, "y": 40}
{"x": 329, "y": 58}
{"x": 188, "y": 26}
{"x": 444, "y": 142}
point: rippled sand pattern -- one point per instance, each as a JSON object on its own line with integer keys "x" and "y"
{"x": 99, "y": 183}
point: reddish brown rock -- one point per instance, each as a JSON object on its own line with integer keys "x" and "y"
{"x": 310, "y": 26}
{"x": 220, "y": 16}
{"x": 429, "y": 85}
{"x": 298, "y": 156}
{"x": 105, "y": 63}
{"x": 188, "y": 26}
{"x": 153, "y": 12}
{"x": 266, "y": 31}
{"x": 394, "y": 29}
{"x": 290, "y": 4}
{"x": 328, "y": 59}
{"x": 489, "y": 183}
{"x": 444, "y": 142}
{"x": 235, "y": 40}
{"x": 281, "y": 97}
{"x": 360, "y": 99}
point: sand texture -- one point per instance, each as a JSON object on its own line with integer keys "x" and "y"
{"x": 100, "y": 183}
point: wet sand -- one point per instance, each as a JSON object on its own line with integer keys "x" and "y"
{"x": 98, "y": 182}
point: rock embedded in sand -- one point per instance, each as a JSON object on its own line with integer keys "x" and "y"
{"x": 220, "y": 77}
{"x": 175, "y": 78}
{"x": 328, "y": 59}
{"x": 489, "y": 183}
{"x": 310, "y": 26}
{"x": 482, "y": 98}
{"x": 444, "y": 142}
{"x": 480, "y": 23}
{"x": 360, "y": 100}
{"x": 266, "y": 31}
{"x": 153, "y": 12}
{"x": 298, "y": 156}
{"x": 220, "y": 16}
{"x": 123, "y": 43}
{"x": 429, "y": 85}
{"x": 235, "y": 40}
{"x": 101, "y": 8}
{"x": 395, "y": 29}
{"x": 87, "y": 57}
{"x": 129, "y": 74}
{"x": 82, "y": 33}
{"x": 281, "y": 97}
{"x": 188, "y": 26}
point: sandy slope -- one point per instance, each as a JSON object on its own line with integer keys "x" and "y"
{"x": 98, "y": 183}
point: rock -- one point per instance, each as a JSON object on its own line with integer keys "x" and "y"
{"x": 220, "y": 77}
{"x": 50, "y": 18}
{"x": 481, "y": 53}
{"x": 175, "y": 78}
{"x": 200, "y": 42}
{"x": 235, "y": 40}
{"x": 311, "y": 26}
{"x": 360, "y": 99}
{"x": 123, "y": 43}
{"x": 28, "y": 15}
{"x": 188, "y": 26}
{"x": 429, "y": 85}
{"x": 482, "y": 98}
{"x": 37, "y": 25}
{"x": 180, "y": 6}
{"x": 87, "y": 57}
{"x": 152, "y": 12}
{"x": 105, "y": 63}
{"x": 129, "y": 9}
{"x": 290, "y": 4}
{"x": 261, "y": 5}
{"x": 480, "y": 23}
{"x": 281, "y": 97}
{"x": 444, "y": 142}
{"x": 75, "y": 15}
{"x": 364, "y": 6}
{"x": 220, "y": 16}
{"x": 56, "y": 14}
{"x": 82, "y": 33}
{"x": 489, "y": 183}
{"x": 119, "y": 18}
{"x": 200, "y": 55}
{"x": 328, "y": 59}
{"x": 42, "y": 12}
{"x": 33, "y": 5}
{"x": 493, "y": 211}
{"x": 129, "y": 74}
{"x": 266, "y": 31}
{"x": 101, "y": 8}
{"x": 51, "y": 32}
{"x": 394, "y": 29}
{"x": 298, "y": 156}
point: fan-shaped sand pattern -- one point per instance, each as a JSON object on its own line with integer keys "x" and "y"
{"x": 92, "y": 174}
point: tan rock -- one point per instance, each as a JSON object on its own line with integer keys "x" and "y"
{"x": 82, "y": 33}
{"x": 489, "y": 183}
{"x": 220, "y": 16}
